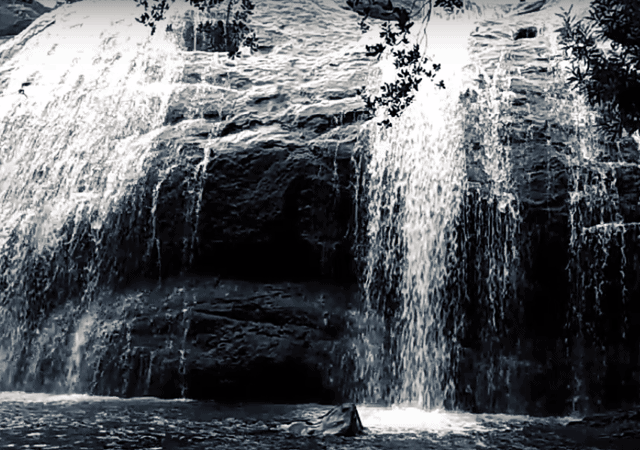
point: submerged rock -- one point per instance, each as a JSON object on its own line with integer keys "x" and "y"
{"x": 342, "y": 420}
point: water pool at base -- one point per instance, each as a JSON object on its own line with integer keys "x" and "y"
{"x": 45, "y": 421}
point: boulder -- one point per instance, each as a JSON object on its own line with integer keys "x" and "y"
{"x": 342, "y": 420}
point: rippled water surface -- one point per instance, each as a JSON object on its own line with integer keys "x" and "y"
{"x": 84, "y": 422}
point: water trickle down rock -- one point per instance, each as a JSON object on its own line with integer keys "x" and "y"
{"x": 510, "y": 167}
{"x": 603, "y": 237}
{"x": 74, "y": 152}
{"x": 490, "y": 240}
{"x": 132, "y": 158}
{"x": 80, "y": 339}
{"x": 574, "y": 196}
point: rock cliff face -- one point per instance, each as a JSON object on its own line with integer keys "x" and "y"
{"x": 17, "y": 16}
{"x": 200, "y": 214}
{"x": 256, "y": 176}
{"x": 267, "y": 142}
{"x": 248, "y": 176}
{"x": 270, "y": 140}
{"x": 221, "y": 339}
{"x": 575, "y": 224}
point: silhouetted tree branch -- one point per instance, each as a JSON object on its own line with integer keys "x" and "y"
{"x": 395, "y": 97}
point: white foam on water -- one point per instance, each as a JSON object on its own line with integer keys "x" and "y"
{"x": 36, "y": 397}
{"x": 391, "y": 420}
{"x": 409, "y": 419}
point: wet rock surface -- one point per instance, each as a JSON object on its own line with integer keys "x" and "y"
{"x": 376, "y": 9}
{"x": 226, "y": 340}
{"x": 342, "y": 420}
{"x": 268, "y": 140}
{"x": 576, "y": 196}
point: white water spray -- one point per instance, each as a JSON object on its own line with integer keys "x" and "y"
{"x": 416, "y": 180}
{"x": 80, "y": 338}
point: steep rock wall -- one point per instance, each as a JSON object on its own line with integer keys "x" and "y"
{"x": 568, "y": 306}
{"x": 246, "y": 173}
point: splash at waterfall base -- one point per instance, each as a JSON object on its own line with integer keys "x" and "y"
{"x": 495, "y": 238}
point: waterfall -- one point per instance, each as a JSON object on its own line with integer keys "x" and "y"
{"x": 602, "y": 244}
{"x": 415, "y": 181}
{"x": 443, "y": 238}
{"x": 76, "y": 145}
{"x": 500, "y": 240}
{"x": 461, "y": 298}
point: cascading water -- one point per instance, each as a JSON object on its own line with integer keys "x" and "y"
{"x": 455, "y": 211}
{"x": 74, "y": 156}
{"x": 415, "y": 179}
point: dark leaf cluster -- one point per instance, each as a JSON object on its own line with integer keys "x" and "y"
{"x": 158, "y": 9}
{"x": 411, "y": 68}
{"x": 448, "y": 5}
{"x": 604, "y": 54}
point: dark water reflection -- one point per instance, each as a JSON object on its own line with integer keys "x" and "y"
{"x": 42, "y": 421}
